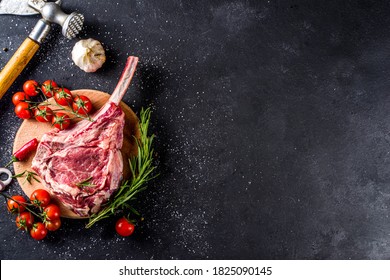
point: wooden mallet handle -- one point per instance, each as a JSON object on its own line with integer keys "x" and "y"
{"x": 16, "y": 64}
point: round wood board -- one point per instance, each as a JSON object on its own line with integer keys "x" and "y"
{"x": 30, "y": 129}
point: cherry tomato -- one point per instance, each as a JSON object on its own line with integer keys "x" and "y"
{"x": 24, "y": 221}
{"x": 63, "y": 96}
{"x": 49, "y": 87}
{"x": 43, "y": 114}
{"x": 123, "y": 227}
{"x": 22, "y": 110}
{"x": 40, "y": 197}
{"x": 82, "y": 105}
{"x": 19, "y": 97}
{"x": 61, "y": 121}
{"x": 15, "y": 204}
{"x": 38, "y": 231}
{"x": 53, "y": 225}
{"x": 31, "y": 88}
{"x": 52, "y": 212}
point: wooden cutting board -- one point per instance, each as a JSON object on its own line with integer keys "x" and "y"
{"x": 30, "y": 129}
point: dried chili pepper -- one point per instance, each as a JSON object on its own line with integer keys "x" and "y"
{"x": 24, "y": 151}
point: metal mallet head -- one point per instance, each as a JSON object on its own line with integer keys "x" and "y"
{"x": 51, "y": 13}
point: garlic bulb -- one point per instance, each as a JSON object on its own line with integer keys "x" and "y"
{"x": 88, "y": 54}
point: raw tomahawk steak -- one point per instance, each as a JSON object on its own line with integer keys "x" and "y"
{"x": 83, "y": 166}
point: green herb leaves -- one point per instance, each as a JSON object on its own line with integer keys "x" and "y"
{"x": 86, "y": 183}
{"x": 142, "y": 168}
{"x": 29, "y": 176}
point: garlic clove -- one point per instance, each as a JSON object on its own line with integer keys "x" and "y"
{"x": 89, "y": 55}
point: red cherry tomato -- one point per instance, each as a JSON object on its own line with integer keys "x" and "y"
{"x": 38, "y": 231}
{"x": 124, "y": 227}
{"x": 43, "y": 114}
{"x": 61, "y": 121}
{"x": 40, "y": 197}
{"x": 31, "y": 88}
{"x": 24, "y": 221}
{"x": 63, "y": 96}
{"x": 19, "y": 97}
{"x": 16, "y": 204}
{"x": 53, "y": 225}
{"x": 52, "y": 212}
{"x": 82, "y": 105}
{"x": 22, "y": 110}
{"x": 49, "y": 87}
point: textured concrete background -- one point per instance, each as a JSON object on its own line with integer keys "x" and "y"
{"x": 272, "y": 127}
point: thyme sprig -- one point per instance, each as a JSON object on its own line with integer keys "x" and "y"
{"x": 141, "y": 166}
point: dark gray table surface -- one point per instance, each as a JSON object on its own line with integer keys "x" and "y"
{"x": 272, "y": 121}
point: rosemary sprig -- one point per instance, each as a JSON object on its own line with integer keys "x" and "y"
{"x": 141, "y": 166}
{"x": 29, "y": 176}
{"x": 46, "y": 102}
{"x": 86, "y": 183}
{"x": 26, "y": 205}
{"x": 63, "y": 108}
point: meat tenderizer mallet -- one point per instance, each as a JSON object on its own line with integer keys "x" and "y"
{"x": 51, "y": 13}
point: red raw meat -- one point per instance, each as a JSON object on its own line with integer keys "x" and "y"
{"x": 90, "y": 151}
